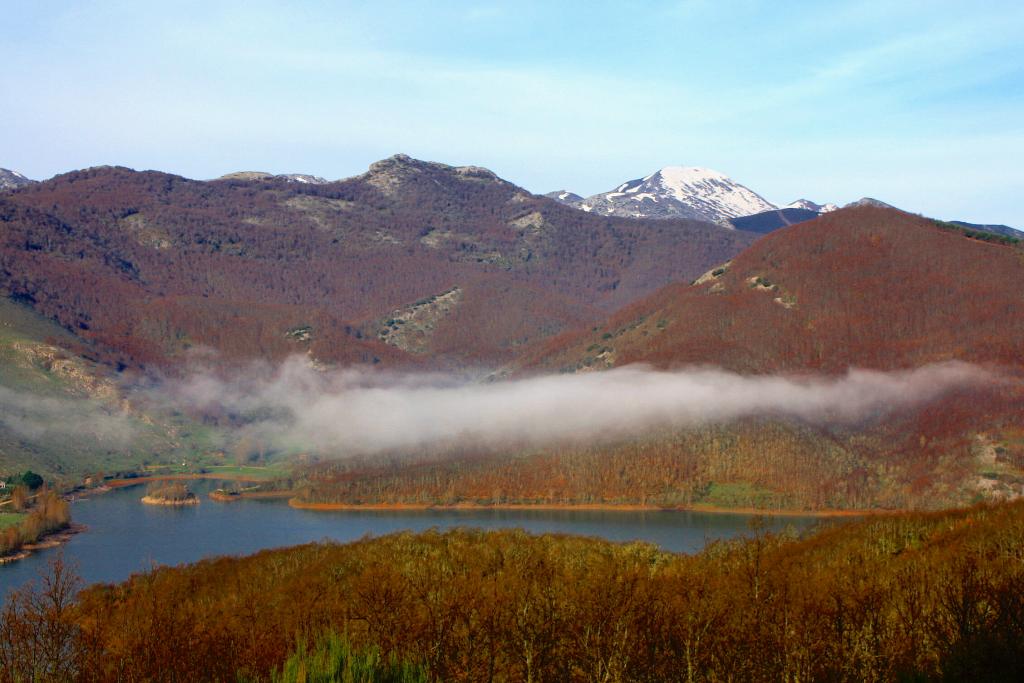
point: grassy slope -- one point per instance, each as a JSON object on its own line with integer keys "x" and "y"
{"x": 10, "y": 519}
{"x": 34, "y": 364}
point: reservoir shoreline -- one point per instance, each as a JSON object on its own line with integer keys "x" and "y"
{"x": 551, "y": 507}
{"x": 589, "y": 507}
{"x": 125, "y": 536}
{"x": 49, "y": 540}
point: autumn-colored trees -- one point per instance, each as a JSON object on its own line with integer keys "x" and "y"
{"x": 39, "y": 641}
{"x": 927, "y": 457}
{"x": 864, "y": 287}
{"x": 19, "y": 498}
{"x": 925, "y": 596}
{"x": 47, "y": 512}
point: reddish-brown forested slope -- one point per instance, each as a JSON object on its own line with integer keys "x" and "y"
{"x": 148, "y": 264}
{"x": 867, "y": 287}
{"x": 864, "y": 287}
{"x": 905, "y": 597}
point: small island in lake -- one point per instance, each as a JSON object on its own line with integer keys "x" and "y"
{"x": 225, "y": 495}
{"x": 169, "y": 493}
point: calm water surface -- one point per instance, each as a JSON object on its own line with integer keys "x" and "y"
{"x": 125, "y": 536}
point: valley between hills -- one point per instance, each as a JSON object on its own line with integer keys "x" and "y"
{"x": 118, "y": 281}
{"x": 424, "y": 339}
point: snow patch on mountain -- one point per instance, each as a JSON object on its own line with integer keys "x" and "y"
{"x": 11, "y": 180}
{"x": 565, "y": 197}
{"x": 302, "y": 178}
{"x": 811, "y": 206}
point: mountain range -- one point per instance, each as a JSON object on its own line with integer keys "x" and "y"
{"x": 409, "y": 262}
{"x": 303, "y": 178}
{"x": 421, "y": 265}
{"x": 671, "y": 192}
{"x": 1004, "y": 230}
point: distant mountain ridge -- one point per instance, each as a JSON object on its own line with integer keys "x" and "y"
{"x": 870, "y": 201}
{"x": 808, "y": 205}
{"x": 12, "y": 180}
{"x": 671, "y": 192}
{"x": 564, "y": 196}
{"x": 304, "y": 178}
{"x": 768, "y": 221}
{"x": 1004, "y": 230}
{"x": 685, "y": 192}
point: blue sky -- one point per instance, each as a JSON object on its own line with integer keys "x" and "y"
{"x": 920, "y": 104}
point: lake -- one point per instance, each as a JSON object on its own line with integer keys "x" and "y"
{"x": 125, "y": 536}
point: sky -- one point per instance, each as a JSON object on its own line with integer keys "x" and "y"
{"x": 920, "y": 104}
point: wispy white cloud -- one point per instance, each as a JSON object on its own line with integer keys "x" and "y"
{"x": 35, "y": 417}
{"x": 350, "y": 412}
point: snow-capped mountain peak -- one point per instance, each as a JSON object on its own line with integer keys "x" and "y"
{"x": 564, "y": 196}
{"x": 811, "y": 206}
{"x": 679, "y": 192}
{"x": 685, "y": 182}
{"x": 10, "y": 180}
{"x": 681, "y": 176}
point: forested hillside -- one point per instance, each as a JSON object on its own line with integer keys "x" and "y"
{"x": 903, "y": 597}
{"x": 865, "y": 287}
{"x": 148, "y": 265}
{"x": 966, "y": 448}
{"x": 417, "y": 264}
